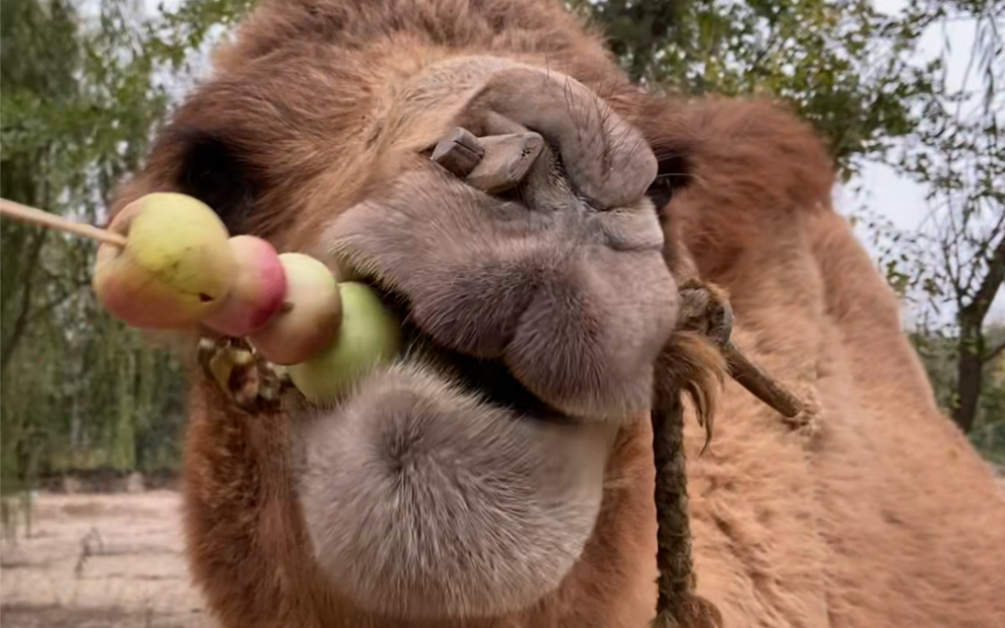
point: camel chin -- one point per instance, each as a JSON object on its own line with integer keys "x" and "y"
{"x": 424, "y": 501}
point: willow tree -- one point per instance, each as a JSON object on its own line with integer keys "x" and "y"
{"x": 78, "y": 96}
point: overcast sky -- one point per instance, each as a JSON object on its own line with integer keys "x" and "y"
{"x": 900, "y": 199}
{"x": 897, "y": 197}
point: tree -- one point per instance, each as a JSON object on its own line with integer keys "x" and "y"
{"x": 958, "y": 152}
{"x": 77, "y": 109}
{"x": 25, "y": 31}
{"x": 951, "y": 270}
{"x": 938, "y": 354}
{"x": 841, "y": 64}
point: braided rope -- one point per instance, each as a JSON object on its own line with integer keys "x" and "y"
{"x": 699, "y": 353}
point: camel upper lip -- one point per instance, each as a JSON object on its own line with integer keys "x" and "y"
{"x": 489, "y": 378}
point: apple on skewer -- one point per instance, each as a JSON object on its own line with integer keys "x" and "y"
{"x": 168, "y": 262}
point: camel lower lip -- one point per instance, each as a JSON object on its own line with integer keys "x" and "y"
{"x": 416, "y": 482}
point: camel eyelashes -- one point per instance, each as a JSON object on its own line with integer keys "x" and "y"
{"x": 673, "y": 173}
{"x": 665, "y": 187}
{"x": 661, "y": 195}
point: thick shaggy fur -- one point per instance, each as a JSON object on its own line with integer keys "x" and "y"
{"x": 506, "y": 475}
{"x": 876, "y": 513}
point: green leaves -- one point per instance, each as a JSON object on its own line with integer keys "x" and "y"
{"x": 76, "y": 112}
{"x": 843, "y": 65}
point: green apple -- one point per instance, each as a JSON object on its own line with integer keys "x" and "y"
{"x": 369, "y": 335}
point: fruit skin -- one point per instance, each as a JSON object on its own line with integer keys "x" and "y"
{"x": 175, "y": 269}
{"x": 369, "y": 335}
{"x": 313, "y": 318}
{"x": 258, "y": 292}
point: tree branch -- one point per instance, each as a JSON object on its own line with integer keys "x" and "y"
{"x": 994, "y": 353}
{"x": 981, "y": 303}
{"x": 21, "y": 324}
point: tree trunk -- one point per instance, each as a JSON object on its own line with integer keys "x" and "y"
{"x": 27, "y": 278}
{"x": 970, "y": 317}
{"x": 970, "y": 372}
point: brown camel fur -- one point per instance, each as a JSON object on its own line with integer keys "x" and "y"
{"x": 871, "y": 512}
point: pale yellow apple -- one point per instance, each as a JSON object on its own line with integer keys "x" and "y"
{"x": 175, "y": 269}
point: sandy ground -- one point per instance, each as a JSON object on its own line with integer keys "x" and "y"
{"x": 97, "y": 561}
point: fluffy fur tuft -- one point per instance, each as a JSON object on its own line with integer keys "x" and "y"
{"x": 693, "y": 360}
{"x": 423, "y": 501}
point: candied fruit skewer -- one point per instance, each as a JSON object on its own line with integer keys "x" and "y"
{"x": 312, "y": 318}
{"x": 259, "y": 289}
{"x": 176, "y": 268}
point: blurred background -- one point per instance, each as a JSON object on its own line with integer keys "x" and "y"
{"x": 908, "y": 92}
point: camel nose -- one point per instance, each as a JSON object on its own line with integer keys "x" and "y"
{"x": 606, "y": 161}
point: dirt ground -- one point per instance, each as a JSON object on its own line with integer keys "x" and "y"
{"x": 98, "y": 561}
{"x": 101, "y": 561}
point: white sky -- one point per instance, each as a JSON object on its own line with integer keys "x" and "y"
{"x": 898, "y": 198}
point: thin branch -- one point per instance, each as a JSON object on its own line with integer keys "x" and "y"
{"x": 981, "y": 302}
{"x": 55, "y": 302}
{"x": 979, "y": 255}
{"x": 993, "y": 232}
{"x": 951, "y": 257}
{"x": 994, "y": 353}
{"x": 21, "y": 323}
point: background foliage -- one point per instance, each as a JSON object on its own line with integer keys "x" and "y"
{"x": 84, "y": 83}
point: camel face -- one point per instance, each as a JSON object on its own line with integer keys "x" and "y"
{"x": 500, "y": 472}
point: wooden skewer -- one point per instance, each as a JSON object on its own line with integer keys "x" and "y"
{"x": 741, "y": 368}
{"x": 33, "y": 216}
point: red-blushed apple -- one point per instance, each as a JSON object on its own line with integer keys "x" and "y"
{"x": 258, "y": 292}
{"x": 310, "y": 316}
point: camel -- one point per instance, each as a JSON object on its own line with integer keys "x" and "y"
{"x": 502, "y": 473}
